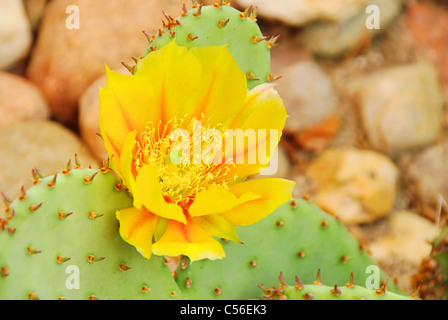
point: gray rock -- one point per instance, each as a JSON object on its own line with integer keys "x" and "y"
{"x": 308, "y": 94}
{"x": 425, "y": 175}
{"x": 401, "y": 108}
{"x": 330, "y": 39}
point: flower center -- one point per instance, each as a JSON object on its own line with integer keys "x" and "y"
{"x": 177, "y": 151}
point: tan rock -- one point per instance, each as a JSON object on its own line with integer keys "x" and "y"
{"x": 15, "y": 33}
{"x": 20, "y": 100}
{"x": 66, "y": 61}
{"x": 35, "y": 10}
{"x": 44, "y": 145}
{"x": 403, "y": 245}
{"x": 301, "y": 12}
{"x": 357, "y": 186}
{"x": 89, "y": 113}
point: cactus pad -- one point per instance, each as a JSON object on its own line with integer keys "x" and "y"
{"x": 65, "y": 227}
{"x": 220, "y": 25}
{"x": 297, "y": 238}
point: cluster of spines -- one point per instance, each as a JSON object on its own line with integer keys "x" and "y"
{"x": 59, "y": 257}
{"x": 167, "y": 26}
{"x": 62, "y": 215}
{"x": 37, "y": 177}
{"x": 278, "y": 293}
{"x": 432, "y": 277}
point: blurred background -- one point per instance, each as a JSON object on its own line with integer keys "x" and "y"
{"x": 367, "y": 135}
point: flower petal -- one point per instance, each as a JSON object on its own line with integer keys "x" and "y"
{"x": 148, "y": 188}
{"x": 173, "y": 73}
{"x": 217, "y": 199}
{"x": 190, "y": 240}
{"x": 217, "y": 226}
{"x": 223, "y": 86}
{"x": 126, "y": 104}
{"x": 137, "y": 228}
{"x": 127, "y": 170}
{"x": 272, "y": 192}
{"x": 261, "y": 122}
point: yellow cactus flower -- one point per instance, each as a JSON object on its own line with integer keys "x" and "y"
{"x": 183, "y": 133}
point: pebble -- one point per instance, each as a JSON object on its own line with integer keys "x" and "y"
{"x": 401, "y": 107}
{"x": 357, "y": 186}
{"x": 15, "y": 33}
{"x": 45, "y": 145}
{"x": 20, "y": 100}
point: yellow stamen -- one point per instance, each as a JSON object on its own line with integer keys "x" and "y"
{"x": 179, "y": 181}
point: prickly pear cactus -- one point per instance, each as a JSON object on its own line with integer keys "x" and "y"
{"x": 433, "y": 274}
{"x": 297, "y": 238}
{"x": 61, "y": 241}
{"x": 319, "y": 291}
{"x": 221, "y": 25}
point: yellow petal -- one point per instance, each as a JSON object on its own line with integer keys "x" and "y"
{"x": 137, "y": 228}
{"x": 173, "y": 73}
{"x": 261, "y": 121}
{"x": 223, "y": 86}
{"x": 126, "y": 104}
{"x": 190, "y": 240}
{"x": 148, "y": 188}
{"x": 217, "y": 199}
{"x": 217, "y": 226}
{"x": 273, "y": 193}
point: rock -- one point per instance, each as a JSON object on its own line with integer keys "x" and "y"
{"x": 318, "y": 137}
{"x": 20, "y": 100}
{"x": 431, "y": 40}
{"x": 35, "y": 10}
{"x": 89, "y": 112}
{"x": 300, "y": 12}
{"x": 403, "y": 244}
{"x": 15, "y": 33}
{"x": 44, "y": 145}
{"x": 425, "y": 174}
{"x": 401, "y": 108}
{"x": 357, "y": 186}
{"x": 329, "y": 39}
{"x": 66, "y": 61}
{"x": 308, "y": 94}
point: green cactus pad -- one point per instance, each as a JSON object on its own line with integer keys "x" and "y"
{"x": 66, "y": 226}
{"x": 217, "y": 26}
{"x": 298, "y": 238}
{"x": 319, "y": 291}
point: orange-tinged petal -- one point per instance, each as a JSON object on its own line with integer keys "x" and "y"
{"x": 148, "y": 188}
{"x": 217, "y": 199}
{"x": 137, "y": 228}
{"x": 223, "y": 86}
{"x": 217, "y": 226}
{"x": 190, "y": 240}
{"x": 127, "y": 171}
{"x": 173, "y": 73}
{"x": 273, "y": 193}
{"x": 261, "y": 123}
